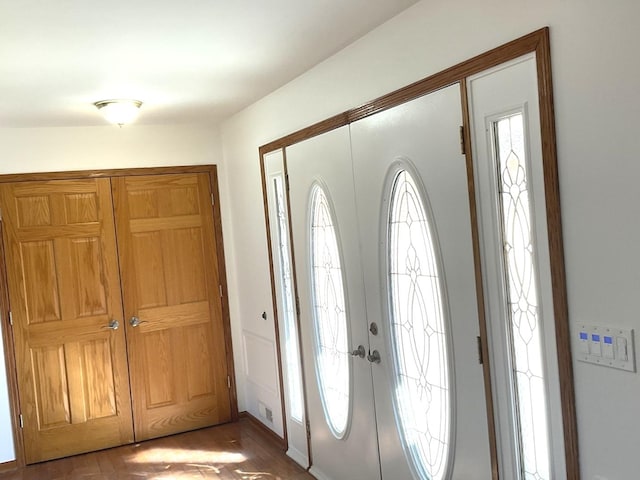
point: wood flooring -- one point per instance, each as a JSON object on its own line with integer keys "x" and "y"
{"x": 237, "y": 451}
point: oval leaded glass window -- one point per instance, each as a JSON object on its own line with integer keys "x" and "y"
{"x": 330, "y": 318}
{"x": 420, "y": 352}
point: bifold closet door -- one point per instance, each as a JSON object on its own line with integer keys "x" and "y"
{"x": 67, "y": 315}
{"x": 332, "y": 308}
{"x": 418, "y": 269}
{"x": 172, "y": 303}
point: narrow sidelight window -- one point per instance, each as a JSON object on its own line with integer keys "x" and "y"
{"x": 530, "y": 416}
{"x": 291, "y": 351}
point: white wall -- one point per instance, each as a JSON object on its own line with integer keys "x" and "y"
{"x": 25, "y": 150}
{"x": 596, "y": 76}
{"x": 6, "y": 439}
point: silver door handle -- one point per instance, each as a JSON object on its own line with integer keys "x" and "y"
{"x": 113, "y": 325}
{"x": 135, "y": 321}
{"x": 374, "y": 357}
{"x": 359, "y": 352}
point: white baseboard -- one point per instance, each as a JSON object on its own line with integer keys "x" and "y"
{"x": 318, "y": 473}
{"x": 298, "y": 457}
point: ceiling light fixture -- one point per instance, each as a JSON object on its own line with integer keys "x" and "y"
{"x": 119, "y": 112}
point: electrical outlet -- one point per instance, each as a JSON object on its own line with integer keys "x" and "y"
{"x": 269, "y": 415}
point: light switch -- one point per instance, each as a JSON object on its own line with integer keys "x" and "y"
{"x": 621, "y": 346}
{"x": 596, "y": 346}
{"x": 584, "y": 343}
{"x": 607, "y": 347}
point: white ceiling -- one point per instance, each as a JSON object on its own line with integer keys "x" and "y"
{"x": 189, "y": 61}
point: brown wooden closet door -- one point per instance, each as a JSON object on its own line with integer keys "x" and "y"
{"x": 167, "y": 249}
{"x": 64, "y": 292}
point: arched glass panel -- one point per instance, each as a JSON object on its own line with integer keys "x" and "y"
{"x": 422, "y": 397}
{"x": 329, "y": 312}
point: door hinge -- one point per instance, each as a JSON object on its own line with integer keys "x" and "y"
{"x": 308, "y": 425}
{"x": 462, "y": 143}
{"x": 480, "y": 358}
{"x": 0, "y": 215}
{"x": 21, "y": 421}
{"x": 229, "y": 382}
{"x": 10, "y": 318}
{"x": 220, "y": 288}
{"x": 213, "y": 200}
{"x": 297, "y": 305}
{"x": 286, "y": 181}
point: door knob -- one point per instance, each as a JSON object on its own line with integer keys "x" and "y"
{"x": 374, "y": 357}
{"x": 113, "y": 325}
{"x": 135, "y": 321}
{"x": 359, "y": 352}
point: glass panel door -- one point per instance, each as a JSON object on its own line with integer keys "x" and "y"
{"x": 332, "y": 308}
{"x": 443, "y": 434}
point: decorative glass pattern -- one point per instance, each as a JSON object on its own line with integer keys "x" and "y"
{"x": 291, "y": 352}
{"x": 522, "y": 300}
{"x": 422, "y": 394}
{"x": 329, "y": 309}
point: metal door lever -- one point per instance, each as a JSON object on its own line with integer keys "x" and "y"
{"x": 374, "y": 357}
{"x": 135, "y": 321}
{"x": 359, "y": 352}
{"x": 113, "y": 325}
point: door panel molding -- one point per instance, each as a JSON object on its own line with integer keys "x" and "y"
{"x": 5, "y": 307}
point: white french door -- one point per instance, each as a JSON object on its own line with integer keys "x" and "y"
{"x": 421, "y": 139}
{"x": 382, "y": 235}
{"x": 332, "y": 308}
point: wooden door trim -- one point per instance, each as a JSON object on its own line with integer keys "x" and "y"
{"x": 222, "y": 272}
{"x": 107, "y": 173}
{"x": 533, "y": 42}
{"x": 5, "y": 306}
{"x": 537, "y": 42}
{"x": 10, "y": 358}
{"x": 274, "y": 305}
{"x": 8, "y": 466}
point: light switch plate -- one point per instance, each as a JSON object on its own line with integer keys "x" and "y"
{"x": 605, "y": 345}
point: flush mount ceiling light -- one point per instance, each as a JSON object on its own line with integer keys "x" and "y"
{"x": 119, "y": 112}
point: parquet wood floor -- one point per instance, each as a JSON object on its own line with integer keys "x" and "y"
{"x": 235, "y": 451}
